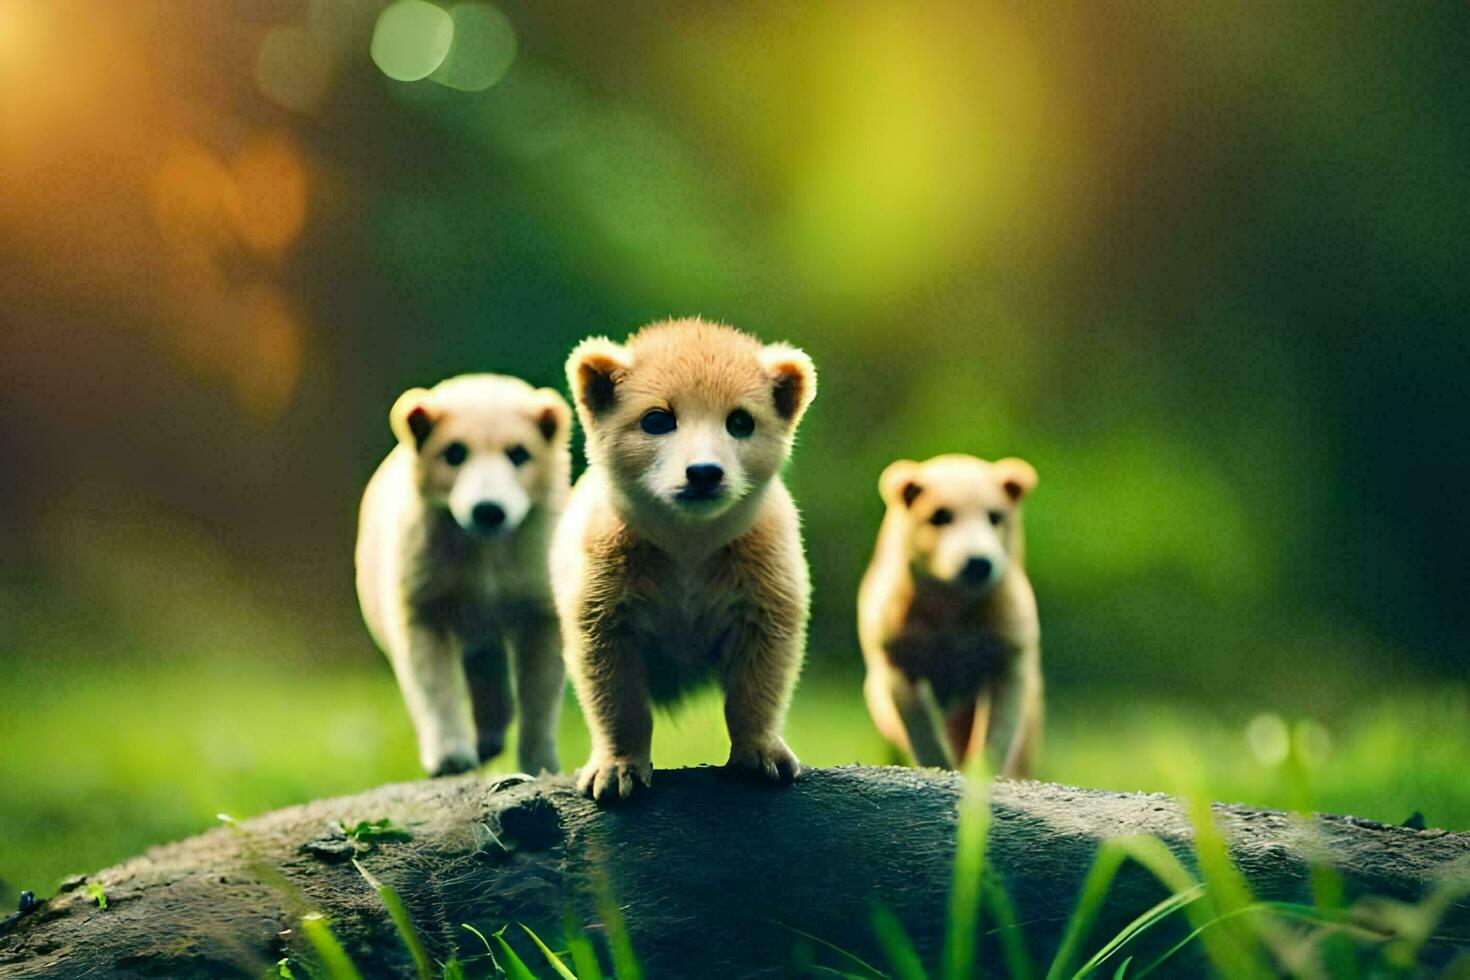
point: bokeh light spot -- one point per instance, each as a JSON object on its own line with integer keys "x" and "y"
{"x": 193, "y": 197}
{"x": 411, "y": 39}
{"x": 266, "y": 376}
{"x": 1268, "y": 739}
{"x": 271, "y": 182}
{"x": 484, "y": 47}
{"x": 1313, "y": 743}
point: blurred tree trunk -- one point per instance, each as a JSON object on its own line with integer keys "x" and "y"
{"x": 714, "y": 876}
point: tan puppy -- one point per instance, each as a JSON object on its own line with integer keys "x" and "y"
{"x": 679, "y": 559}
{"x": 452, "y": 545}
{"x": 947, "y": 617}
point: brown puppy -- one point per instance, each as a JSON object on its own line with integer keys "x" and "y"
{"x": 947, "y": 617}
{"x": 679, "y": 557}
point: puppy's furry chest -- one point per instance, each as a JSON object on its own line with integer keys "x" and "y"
{"x": 958, "y": 657}
{"x": 475, "y": 586}
{"x": 686, "y": 620}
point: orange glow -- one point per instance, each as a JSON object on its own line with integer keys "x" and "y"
{"x": 266, "y": 377}
{"x": 193, "y": 197}
{"x": 271, "y": 185}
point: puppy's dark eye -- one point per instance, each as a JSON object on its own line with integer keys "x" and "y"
{"x": 739, "y": 424}
{"x": 517, "y": 454}
{"x": 455, "y": 453}
{"x": 996, "y": 516}
{"x": 657, "y": 422}
{"x": 941, "y": 517}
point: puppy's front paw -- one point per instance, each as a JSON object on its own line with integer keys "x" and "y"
{"x": 489, "y": 746}
{"x": 452, "y": 761}
{"x": 770, "y": 760}
{"x": 608, "y": 780}
{"x": 536, "y": 759}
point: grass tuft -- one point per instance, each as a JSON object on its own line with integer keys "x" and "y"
{"x": 510, "y": 960}
{"x": 372, "y": 832}
{"x": 334, "y": 958}
{"x": 94, "y": 891}
{"x": 551, "y": 958}
{"x": 398, "y": 912}
{"x": 963, "y": 919}
{"x": 584, "y": 957}
{"x": 625, "y": 963}
{"x": 897, "y": 946}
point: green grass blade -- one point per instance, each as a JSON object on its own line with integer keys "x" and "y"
{"x": 1419, "y": 925}
{"x": 512, "y": 964}
{"x": 334, "y": 958}
{"x": 1122, "y": 970}
{"x": 584, "y": 957}
{"x": 896, "y": 944}
{"x": 1230, "y": 956}
{"x": 401, "y": 921}
{"x": 552, "y": 958}
{"x": 1142, "y": 923}
{"x": 1169, "y": 953}
{"x": 1012, "y": 939}
{"x": 478, "y": 934}
{"x": 453, "y": 970}
{"x": 625, "y": 963}
{"x": 862, "y": 964}
{"x": 1154, "y": 857}
{"x": 1105, "y": 864}
{"x": 1336, "y": 921}
{"x": 1159, "y": 861}
{"x": 962, "y": 923}
{"x": 1237, "y": 950}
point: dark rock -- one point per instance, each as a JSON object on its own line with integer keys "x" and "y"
{"x": 713, "y": 876}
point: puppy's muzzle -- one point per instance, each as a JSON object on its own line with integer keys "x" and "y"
{"x": 703, "y": 481}
{"x": 977, "y": 571}
{"x": 488, "y": 516}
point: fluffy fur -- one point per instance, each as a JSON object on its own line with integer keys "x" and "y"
{"x": 452, "y": 545}
{"x": 947, "y": 616}
{"x": 663, "y": 582}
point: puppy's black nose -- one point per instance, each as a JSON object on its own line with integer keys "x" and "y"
{"x": 487, "y": 516}
{"x": 977, "y": 571}
{"x": 704, "y": 476}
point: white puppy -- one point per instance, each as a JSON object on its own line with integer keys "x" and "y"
{"x": 452, "y": 566}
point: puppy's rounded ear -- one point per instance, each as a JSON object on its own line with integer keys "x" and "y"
{"x": 553, "y": 416}
{"x": 793, "y": 379}
{"x": 1017, "y": 477}
{"x": 594, "y": 369}
{"x": 898, "y": 484}
{"x": 412, "y": 418}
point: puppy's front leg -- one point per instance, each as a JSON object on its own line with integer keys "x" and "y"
{"x": 922, "y": 720}
{"x": 540, "y": 681}
{"x": 1005, "y": 745}
{"x": 1025, "y": 743}
{"x": 490, "y": 695}
{"x": 430, "y": 669}
{"x": 979, "y": 727}
{"x": 612, "y": 685}
{"x": 758, "y": 683}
